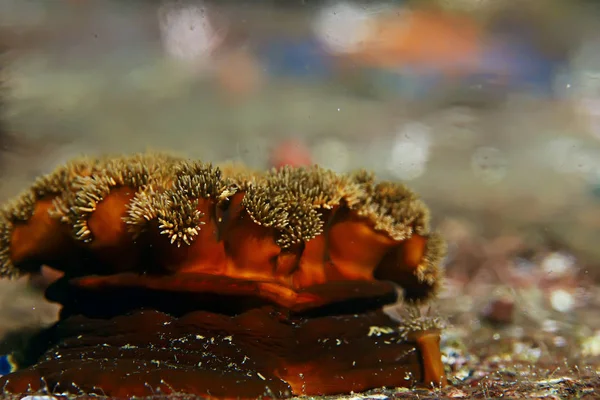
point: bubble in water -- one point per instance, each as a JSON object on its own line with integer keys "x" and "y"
{"x": 585, "y": 162}
{"x": 550, "y": 326}
{"x": 591, "y": 345}
{"x": 562, "y": 301}
{"x": 253, "y": 150}
{"x": 186, "y": 31}
{"x": 558, "y": 153}
{"x": 558, "y": 264}
{"x": 568, "y": 156}
{"x": 410, "y": 151}
{"x": 332, "y": 154}
{"x": 489, "y": 164}
{"x": 342, "y": 27}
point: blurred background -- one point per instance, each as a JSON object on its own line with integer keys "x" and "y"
{"x": 489, "y": 109}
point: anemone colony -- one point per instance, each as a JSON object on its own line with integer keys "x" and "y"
{"x": 181, "y": 277}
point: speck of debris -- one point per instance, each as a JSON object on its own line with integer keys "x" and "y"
{"x": 380, "y": 330}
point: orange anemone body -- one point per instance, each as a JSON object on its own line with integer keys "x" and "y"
{"x": 229, "y": 241}
{"x": 39, "y": 238}
{"x": 297, "y": 262}
{"x": 355, "y": 248}
{"x": 111, "y": 242}
{"x": 252, "y": 249}
{"x": 205, "y": 254}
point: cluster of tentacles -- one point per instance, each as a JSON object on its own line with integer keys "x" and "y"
{"x": 183, "y": 277}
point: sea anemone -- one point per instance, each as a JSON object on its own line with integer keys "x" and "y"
{"x": 181, "y": 277}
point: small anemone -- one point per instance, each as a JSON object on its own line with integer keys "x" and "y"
{"x": 86, "y": 192}
{"x": 288, "y": 200}
{"x": 363, "y": 177}
{"x": 315, "y": 185}
{"x": 141, "y": 211}
{"x": 435, "y": 250}
{"x": 178, "y": 216}
{"x": 63, "y": 183}
{"x": 21, "y": 208}
{"x": 92, "y": 190}
{"x": 155, "y": 159}
{"x": 394, "y": 209}
{"x": 413, "y": 321}
{"x": 7, "y": 268}
{"x": 304, "y": 224}
{"x": 266, "y": 206}
{"x": 198, "y": 179}
{"x": 238, "y": 172}
{"x": 174, "y": 213}
{"x": 59, "y": 180}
